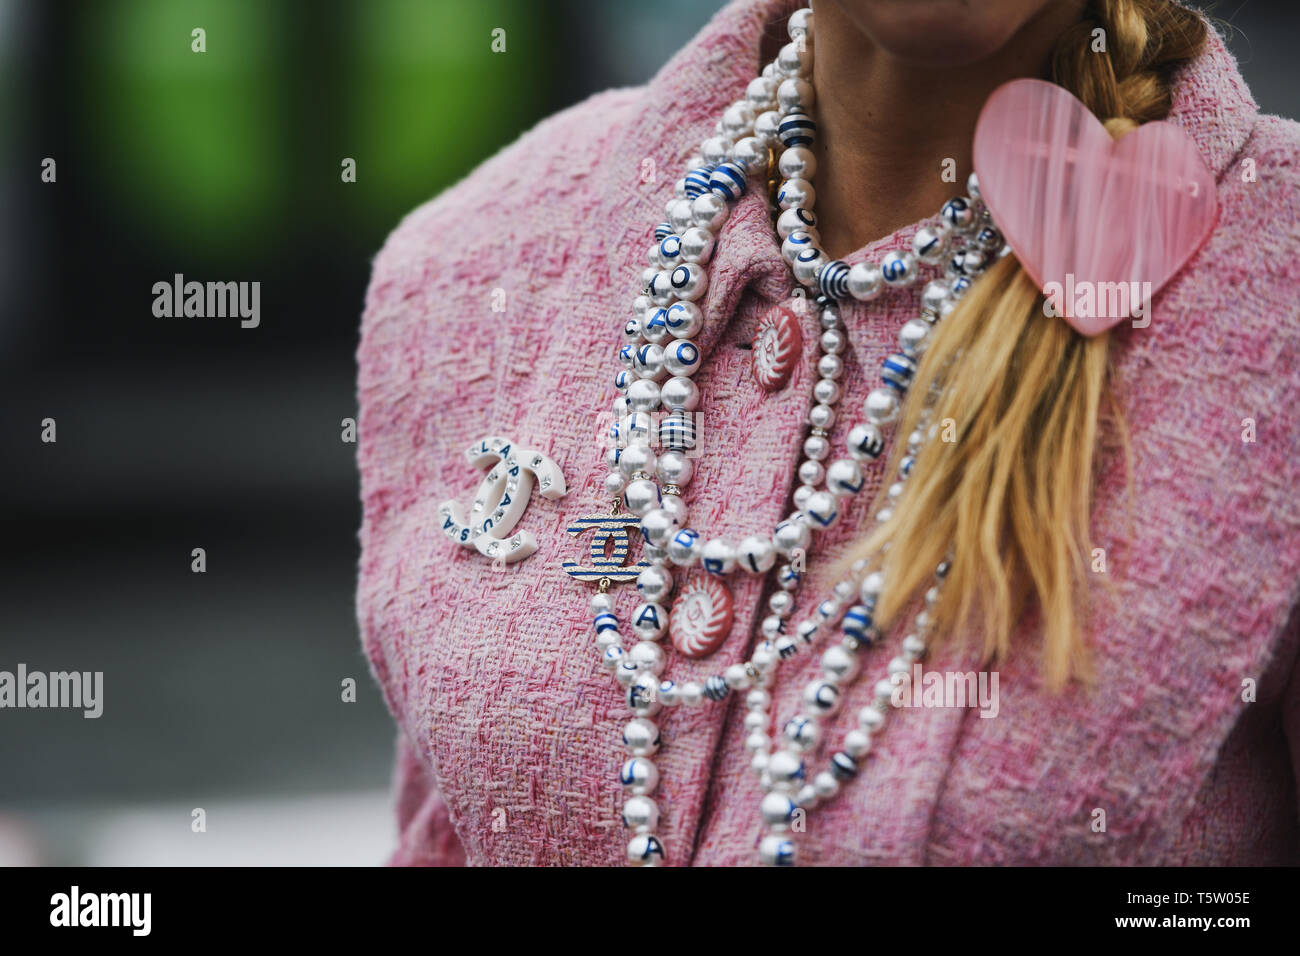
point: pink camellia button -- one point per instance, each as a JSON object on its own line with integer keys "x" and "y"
{"x": 777, "y": 348}
{"x": 701, "y": 617}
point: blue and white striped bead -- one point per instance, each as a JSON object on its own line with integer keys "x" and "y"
{"x": 857, "y": 624}
{"x": 729, "y": 181}
{"x": 697, "y": 182}
{"x": 796, "y": 129}
{"x": 833, "y": 280}
{"x": 715, "y": 688}
{"x": 606, "y": 622}
{"x": 897, "y": 371}
{"x": 663, "y": 231}
{"x": 677, "y": 431}
{"x": 843, "y": 766}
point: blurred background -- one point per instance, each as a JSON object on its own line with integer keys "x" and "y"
{"x": 223, "y": 689}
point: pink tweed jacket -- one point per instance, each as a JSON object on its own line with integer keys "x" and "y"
{"x": 497, "y": 307}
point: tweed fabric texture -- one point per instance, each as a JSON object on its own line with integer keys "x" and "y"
{"x": 510, "y": 729}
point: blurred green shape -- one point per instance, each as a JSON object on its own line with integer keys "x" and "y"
{"x": 185, "y": 142}
{"x": 433, "y": 99}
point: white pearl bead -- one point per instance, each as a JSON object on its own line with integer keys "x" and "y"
{"x": 884, "y": 692}
{"x": 737, "y": 677}
{"x": 640, "y": 737}
{"x": 654, "y": 583}
{"x": 793, "y": 94}
{"x": 680, "y": 394}
{"x": 637, "y": 458}
{"x": 767, "y": 124}
{"x": 821, "y": 698}
{"x": 626, "y": 671}
{"x": 857, "y": 743}
{"x": 670, "y": 694}
{"x": 751, "y": 152}
{"x": 647, "y": 656}
{"x": 871, "y": 720}
{"x": 674, "y": 505}
{"x": 641, "y": 496}
{"x": 756, "y": 555}
{"x": 826, "y": 785}
{"x": 681, "y": 216}
{"x": 865, "y": 281}
{"x": 827, "y": 391}
{"x": 709, "y": 211}
{"x": 764, "y": 657}
{"x": 658, "y": 525}
{"x": 839, "y": 665}
{"x": 872, "y": 585}
{"x": 674, "y": 468}
{"x": 816, "y": 447}
{"x": 800, "y": 25}
{"x": 714, "y": 150}
{"x": 643, "y": 395}
{"x": 797, "y": 162}
{"x": 797, "y": 192}
{"x": 760, "y": 94}
{"x": 821, "y": 415}
{"x": 697, "y": 245}
{"x": 821, "y": 509}
{"x": 881, "y": 406}
{"x": 790, "y": 535}
{"x": 811, "y": 472}
{"x": 718, "y": 556}
{"x": 844, "y": 477}
{"x": 796, "y": 219}
{"x": 640, "y": 815}
{"x": 781, "y": 603}
{"x": 794, "y": 59}
{"x": 737, "y": 121}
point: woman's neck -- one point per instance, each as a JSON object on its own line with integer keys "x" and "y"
{"x": 894, "y": 137}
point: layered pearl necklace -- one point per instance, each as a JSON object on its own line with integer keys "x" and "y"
{"x": 656, "y": 365}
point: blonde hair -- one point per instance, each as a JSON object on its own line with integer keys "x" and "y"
{"x": 1007, "y": 495}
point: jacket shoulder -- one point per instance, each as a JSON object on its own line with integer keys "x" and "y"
{"x": 523, "y": 193}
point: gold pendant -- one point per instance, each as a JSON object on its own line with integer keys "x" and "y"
{"x": 609, "y": 548}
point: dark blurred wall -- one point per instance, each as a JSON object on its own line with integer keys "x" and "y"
{"x": 175, "y": 434}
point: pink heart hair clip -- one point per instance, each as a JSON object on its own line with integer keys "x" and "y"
{"x": 1100, "y": 224}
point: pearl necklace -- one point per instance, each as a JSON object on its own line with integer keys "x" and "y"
{"x": 658, "y": 345}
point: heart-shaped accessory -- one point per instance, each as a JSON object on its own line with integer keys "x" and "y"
{"x": 1100, "y": 224}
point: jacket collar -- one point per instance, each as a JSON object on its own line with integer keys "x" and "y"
{"x": 687, "y": 96}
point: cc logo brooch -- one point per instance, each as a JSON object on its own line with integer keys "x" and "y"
{"x": 502, "y": 496}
